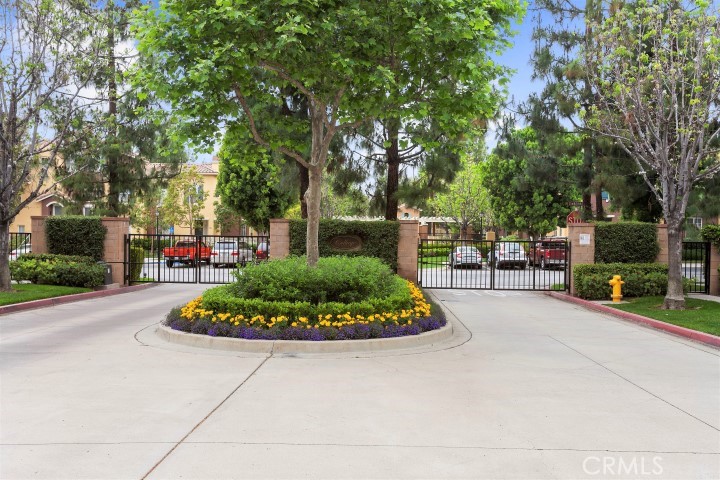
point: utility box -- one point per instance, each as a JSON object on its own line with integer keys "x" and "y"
{"x": 108, "y": 273}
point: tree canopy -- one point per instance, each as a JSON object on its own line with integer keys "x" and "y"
{"x": 220, "y": 61}
{"x": 657, "y": 87}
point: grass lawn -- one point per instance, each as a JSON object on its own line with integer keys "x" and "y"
{"x": 701, "y": 315}
{"x": 26, "y": 292}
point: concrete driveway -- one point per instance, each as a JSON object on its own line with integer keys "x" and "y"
{"x": 530, "y": 387}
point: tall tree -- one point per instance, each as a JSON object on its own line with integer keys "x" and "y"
{"x": 559, "y": 36}
{"x": 249, "y": 181}
{"x": 184, "y": 199}
{"x": 467, "y": 201}
{"x": 657, "y": 85}
{"x": 47, "y": 60}
{"x": 215, "y": 61}
{"x": 530, "y": 183}
{"x": 116, "y": 145}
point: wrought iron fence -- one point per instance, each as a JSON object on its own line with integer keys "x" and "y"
{"x": 494, "y": 265}
{"x": 191, "y": 259}
{"x": 19, "y": 243}
{"x": 696, "y": 266}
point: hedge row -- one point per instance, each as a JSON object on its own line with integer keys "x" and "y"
{"x": 379, "y": 239}
{"x": 641, "y": 279}
{"x": 711, "y": 233}
{"x": 626, "y": 242}
{"x": 50, "y": 269}
{"x": 76, "y": 235}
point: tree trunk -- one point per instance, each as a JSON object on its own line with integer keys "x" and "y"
{"x": 675, "y": 298}
{"x": 586, "y": 175}
{"x": 304, "y": 183}
{"x": 312, "y": 199}
{"x": 113, "y": 162}
{"x": 393, "y": 172}
{"x": 5, "y": 257}
{"x": 599, "y": 207}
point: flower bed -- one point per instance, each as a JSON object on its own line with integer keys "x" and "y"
{"x": 350, "y": 325}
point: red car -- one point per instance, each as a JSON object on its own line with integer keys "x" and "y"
{"x": 263, "y": 251}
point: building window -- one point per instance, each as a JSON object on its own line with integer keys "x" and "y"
{"x": 56, "y": 209}
{"x": 697, "y": 222}
{"x": 21, "y": 228}
{"x": 87, "y": 210}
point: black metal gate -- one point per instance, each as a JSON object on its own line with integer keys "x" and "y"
{"x": 696, "y": 266}
{"x": 539, "y": 265}
{"x": 190, "y": 258}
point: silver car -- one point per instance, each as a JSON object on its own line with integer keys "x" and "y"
{"x": 230, "y": 253}
{"x": 465, "y": 256}
{"x": 509, "y": 254}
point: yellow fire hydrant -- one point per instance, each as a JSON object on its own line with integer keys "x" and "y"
{"x": 617, "y": 284}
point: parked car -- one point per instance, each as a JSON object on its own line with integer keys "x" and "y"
{"x": 187, "y": 252}
{"x": 465, "y": 256}
{"x": 548, "y": 253}
{"x": 509, "y": 254}
{"x": 230, "y": 253}
{"x": 263, "y": 251}
{"x": 22, "y": 249}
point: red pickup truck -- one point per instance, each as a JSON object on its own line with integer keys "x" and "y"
{"x": 548, "y": 253}
{"x": 187, "y": 252}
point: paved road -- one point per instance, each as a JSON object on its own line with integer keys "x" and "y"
{"x": 530, "y": 387}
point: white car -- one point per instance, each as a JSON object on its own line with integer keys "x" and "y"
{"x": 27, "y": 248}
{"x": 465, "y": 256}
{"x": 230, "y": 252}
{"x": 509, "y": 254}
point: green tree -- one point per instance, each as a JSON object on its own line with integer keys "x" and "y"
{"x": 47, "y": 61}
{"x": 184, "y": 199}
{"x": 214, "y": 61}
{"x": 657, "y": 87}
{"x": 116, "y": 145}
{"x": 249, "y": 180}
{"x": 467, "y": 201}
{"x": 530, "y": 183}
{"x": 557, "y": 60}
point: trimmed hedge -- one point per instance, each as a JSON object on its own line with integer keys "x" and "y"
{"x": 641, "y": 279}
{"x": 49, "y": 269}
{"x": 626, "y": 242}
{"x": 137, "y": 260}
{"x": 380, "y": 239}
{"x": 76, "y": 235}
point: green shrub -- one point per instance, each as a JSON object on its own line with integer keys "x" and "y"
{"x": 137, "y": 259}
{"x": 147, "y": 243}
{"x": 641, "y": 279}
{"x": 335, "y": 279}
{"x": 75, "y": 235}
{"x": 67, "y": 270}
{"x": 626, "y": 242}
{"x": 379, "y": 239}
{"x": 711, "y": 233}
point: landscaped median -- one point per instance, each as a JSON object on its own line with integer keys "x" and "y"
{"x": 702, "y": 314}
{"x": 342, "y": 299}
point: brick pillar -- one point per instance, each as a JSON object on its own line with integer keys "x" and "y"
{"x": 408, "y": 249}
{"x": 38, "y": 240}
{"x": 117, "y": 228}
{"x": 714, "y": 274}
{"x": 580, "y": 253}
{"x": 279, "y": 238}
{"x": 662, "y": 236}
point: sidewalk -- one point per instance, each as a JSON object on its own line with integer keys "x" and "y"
{"x": 529, "y": 387}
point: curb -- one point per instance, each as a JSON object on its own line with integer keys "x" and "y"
{"x": 701, "y": 337}
{"x": 304, "y": 346}
{"x": 51, "y": 302}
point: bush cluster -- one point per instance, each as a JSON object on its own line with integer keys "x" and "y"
{"x": 50, "y": 269}
{"x": 626, "y": 242}
{"x": 148, "y": 242}
{"x": 711, "y": 233}
{"x": 137, "y": 260}
{"x": 641, "y": 279}
{"x": 380, "y": 239}
{"x": 342, "y": 298}
{"x": 76, "y": 235}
